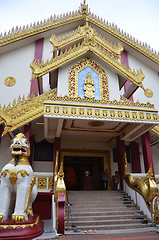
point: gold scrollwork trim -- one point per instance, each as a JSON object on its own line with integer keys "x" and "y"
{"x": 110, "y": 104}
{"x": 155, "y": 117}
{"x": 95, "y": 112}
{"x": 50, "y": 183}
{"x": 112, "y": 114}
{"x": 82, "y": 112}
{"x": 56, "y": 110}
{"x": 47, "y": 109}
{"x": 21, "y": 225}
{"x": 120, "y": 114}
{"x": 32, "y": 183}
{"x": 156, "y": 210}
{"x": 42, "y": 183}
{"x": 14, "y": 175}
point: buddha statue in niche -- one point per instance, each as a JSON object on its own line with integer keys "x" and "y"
{"x": 89, "y": 87}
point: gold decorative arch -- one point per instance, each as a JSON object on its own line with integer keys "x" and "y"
{"x": 73, "y": 78}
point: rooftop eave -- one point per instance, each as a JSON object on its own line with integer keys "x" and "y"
{"x": 26, "y": 110}
{"x": 22, "y": 112}
{"x": 137, "y": 120}
{"x": 84, "y": 33}
{"x": 156, "y": 130}
{"x": 117, "y": 33}
{"x": 53, "y": 23}
{"x": 28, "y": 31}
{"x": 39, "y": 69}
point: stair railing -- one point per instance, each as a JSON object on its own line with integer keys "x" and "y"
{"x": 146, "y": 187}
{"x": 59, "y": 196}
{"x": 68, "y": 211}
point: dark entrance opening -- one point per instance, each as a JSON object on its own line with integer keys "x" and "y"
{"x": 83, "y": 172}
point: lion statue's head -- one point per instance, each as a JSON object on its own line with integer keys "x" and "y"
{"x": 20, "y": 146}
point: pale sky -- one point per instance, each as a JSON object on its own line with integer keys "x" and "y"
{"x": 139, "y": 18}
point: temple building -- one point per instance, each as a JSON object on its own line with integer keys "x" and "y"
{"x": 83, "y": 93}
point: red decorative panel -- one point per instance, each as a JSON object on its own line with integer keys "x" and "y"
{"x": 43, "y": 205}
{"x": 61, "y": 213}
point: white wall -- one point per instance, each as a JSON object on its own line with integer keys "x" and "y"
{"x": 63, "y": 75}
{"x": 150, "y": 81}
{"x": 48, "y": 47}
{"x": 76, "y": 142}
{"x": 113, "y": 81}
{"x": 41, "y": 166}
{"x": 137, "y": 199}
{"x": 16, "y": 64}
{"x": 141, "y": 159}
{"x": 47, "y": 50}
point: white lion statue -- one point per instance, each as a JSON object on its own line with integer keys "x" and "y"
{"x": 17, "y": 183}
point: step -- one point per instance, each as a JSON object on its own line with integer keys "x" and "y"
{"x": 104, "y": 217}
{"x": 96, "y": 195}
{"x": 113, "y": 227}
{"x": 90, "y": 200}
{"x": 90, "y": 209}
{"x": 110, "y": 213}
{"x": 105, "y": 222}
{"x": 104, "y": 210}
{"x": 95, "y": 205}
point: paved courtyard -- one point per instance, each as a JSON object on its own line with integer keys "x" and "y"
{"x": 121, "y": 236}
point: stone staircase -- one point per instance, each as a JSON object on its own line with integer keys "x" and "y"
{"x": 103, "y": 211}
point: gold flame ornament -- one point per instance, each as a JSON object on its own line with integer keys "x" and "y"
{"x": 148, "y": 93}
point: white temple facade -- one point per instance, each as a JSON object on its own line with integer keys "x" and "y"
{"x": 77, "y": 85}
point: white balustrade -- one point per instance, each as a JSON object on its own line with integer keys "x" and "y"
{"x": 44, "y": 181}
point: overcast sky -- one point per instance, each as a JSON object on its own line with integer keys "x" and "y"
{"x": 140, "y": 18}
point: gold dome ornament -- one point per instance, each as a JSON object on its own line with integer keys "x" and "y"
{"x": 10, "y": 81}
{"x": 148, "y": 93}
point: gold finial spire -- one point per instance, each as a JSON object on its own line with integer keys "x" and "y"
{"x": 84, "y": 7}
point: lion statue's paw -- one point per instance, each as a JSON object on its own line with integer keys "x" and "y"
{"x": 1, "y": 217}
{"x": 19, "y": 218}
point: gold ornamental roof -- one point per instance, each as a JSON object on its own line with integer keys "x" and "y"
{"x": 88, "y": 45}
{"x": 75, "y": 16}
{"x": 26, "y": 110}
{"x": 88, "y": 34}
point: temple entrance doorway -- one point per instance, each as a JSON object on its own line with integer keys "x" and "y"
{"x": 83, "y": 172}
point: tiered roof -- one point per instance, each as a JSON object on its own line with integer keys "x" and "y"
{"x": 20, "y": 33}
